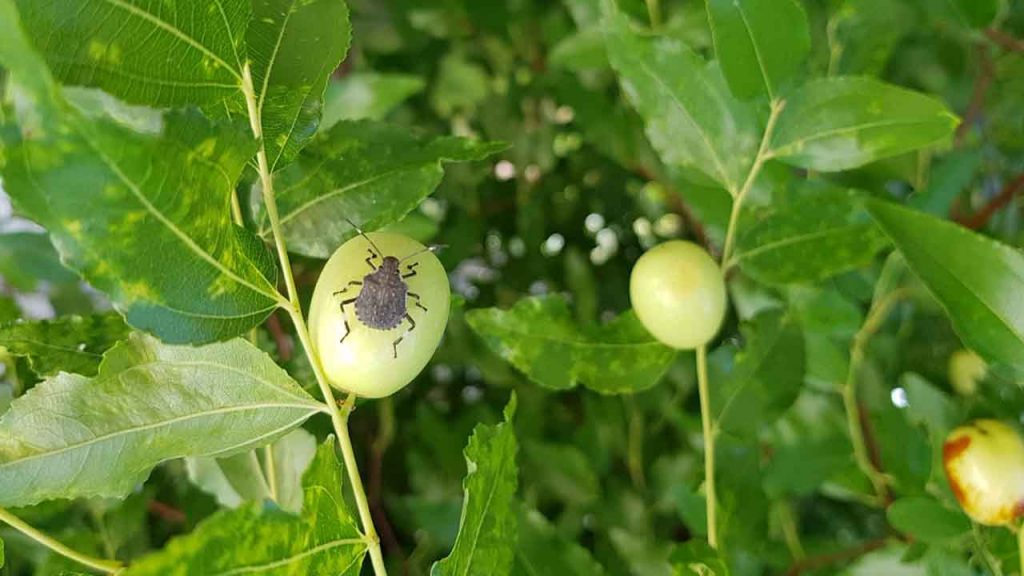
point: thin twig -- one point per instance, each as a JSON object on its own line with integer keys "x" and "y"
{"x": 106, "y": 566}
{"x": 166, "y": 512}
{"x": 709, "y": 445}
{"x": 1005, "y": 40}
{"x": 823, "y": 560}
{"x": 1005, "y": 196}
{"x": 281, "y": 338}
{"x": 982, "y": 83}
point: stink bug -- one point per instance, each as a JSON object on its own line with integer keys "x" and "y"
{"x": 383, "y": 298}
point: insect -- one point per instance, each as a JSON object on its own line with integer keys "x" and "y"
{"x": 383, "y": 299}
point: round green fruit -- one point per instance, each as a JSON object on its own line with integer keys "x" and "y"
{"x": 368, "y": 362}
{"x": 966, "y": 369}
{"x": 678, "y": 293}
{"x": 984, "y": 462}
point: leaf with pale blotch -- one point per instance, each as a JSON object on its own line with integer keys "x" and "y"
{"x": 240, "y": 478}
{"x": 840, "y": 123}
{"x": 165, "y": 53}
{"x": 293, "y": 47}
{"x": 255, "y": 539}
{"x": 140, "y": 210}
{"x": 692, "y": 118}
{"x": 368, "y": 172}
{"x": 760, "y": 43}
{"x": 542, "y": 551}
{"x": 488, "y": 527}
{"x": 539, "y": 337}
{"x": 72, "y": 436}
{"x": 823, "y": 234}
{"x": 766, "y": 378}
{"x": 977, "y": 280}
{"x": 69, "y": 344}
{"x": 367, "y": 96}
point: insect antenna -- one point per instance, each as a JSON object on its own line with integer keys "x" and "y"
{"x": 363, "y": 234}
{"x": 433, "y": 248}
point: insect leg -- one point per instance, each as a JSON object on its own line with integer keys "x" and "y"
{"x": 411, "y": 270}
{"x": 412, "y": 326}
{"x": 369, "y": 259}
{"x": 347, "y": 286}
{"x": 348, "y": 329}
{"x": 416, "y": 297}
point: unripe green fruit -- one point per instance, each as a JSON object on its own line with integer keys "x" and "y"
{"x": 678, "y": 293}
{"x": 984, "y": 462}
{"x": 365, "y": 362}
{"x": 966, "y": 369}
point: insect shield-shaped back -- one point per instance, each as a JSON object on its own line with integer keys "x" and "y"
{"x": 351, "y": 318}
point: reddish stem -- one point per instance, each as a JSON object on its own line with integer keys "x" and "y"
{"x": 823, "y": 560}
{"x": 981, "y": 217}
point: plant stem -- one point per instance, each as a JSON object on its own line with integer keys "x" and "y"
{"x": 763, "y": 154}
{"x": 339, "y": 420}
{"x": 106, "y": 566}
{"x": 709, "y": 445}
{"x": 879, "y": 310}
{"x": 1020, "y": 548}
{"x": 270, "y": 470}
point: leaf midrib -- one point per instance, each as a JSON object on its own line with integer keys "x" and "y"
{"x": 294, "y": 558}
{"x": 487, "y": 504}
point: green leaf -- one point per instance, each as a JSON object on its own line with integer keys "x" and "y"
{"x": 322, "y": 541}
{"x": 144, "y": 217}
{"x": 824, "y": 234}
{"x": 697, "y": 558}
{"x": 69, "y": 344}
{"x": 977, "y": 280}
{"x": 926, "y": 519}
{"x": 540, "y": 337}
{"x": 840, "y": 123}
{"x": 156, "y": 53}
{"x": 371, "y": 173}
{"x": 26, "y": 258}
{"x": 158, "y": 237}
{"x": 692, "y": 119}
{"x": 542, "y": 551}
{"x": 367, "y": 96}
{"x": 293, "y": 47}
{"x": 72, "y": 436}
{"x": 760, "y": 43}
{"x": 766, "y": 378}
{"x": 487, "y": 530}
{"x": 240, "y": 478}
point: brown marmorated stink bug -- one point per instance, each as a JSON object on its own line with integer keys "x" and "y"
{"x": 382, "y": 302}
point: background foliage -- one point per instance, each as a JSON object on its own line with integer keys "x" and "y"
{"x": 855, "y": 162}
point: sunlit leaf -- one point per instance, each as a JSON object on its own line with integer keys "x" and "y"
{"x": 370, "y": 173}
{"x": 72, "y": 436}
{"x": 540, "y": 337}
{"x": 321, "y": 541}
{"x": 488, "y": 527}
{"x": 977, "y": 280}
{"x": 760, "y": 43}
{"x": 69, "y": 344}
{"x": 840, "y": 123}
{"x": 158, "y": 53}
{"x": 818, "y": 236}
{"x": 692, "y": 119}
{"x": 293, "y": 46}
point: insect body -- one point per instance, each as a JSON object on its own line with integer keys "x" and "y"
{"x": 382, "y": 302}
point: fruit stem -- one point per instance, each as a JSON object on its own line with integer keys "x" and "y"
{"x": 1020, "y": 547}
{"x": 654, "y": 13}
{"x": 294, "y": 307}
{"x": 763, "y": 154}
{"x": 709, "y": 444}
{"x": 106, "y": 566}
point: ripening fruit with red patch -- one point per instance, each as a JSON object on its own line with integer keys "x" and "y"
{"x": 984, "y": 462}
{"x": 678, "y": 293}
